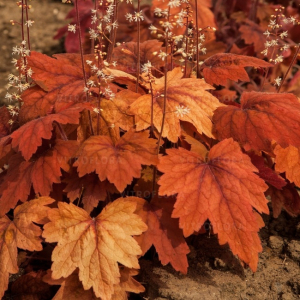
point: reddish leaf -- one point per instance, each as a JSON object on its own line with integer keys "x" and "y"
{"x": 4, "y": 118}
{"x": 36, "y": 103}
{"x": 21, "y": 233}
{"x": 163, "y": 232}
{"x": 29, "y": 137}
{"x": 288, "y": 161}
{"x": 221, "y": 188}
{"x": 40, "y": 173}
{"x": 115, "y": 113}
{"x": 126, "y": 55}
{"x": 262, "y": 117}
{"x": 61, "y": 77}
{"x": 72, "y": 39}
{"x": 119, "y": 162}
{"x": 288, "y": 199}
{"x": 90, "y": 189}
{"x": 253, "y": 33}
{"x": 266, "y": 173}
{"x": 187, "y": 100}
{"x": 220, "y": 67}
{"x": 99, "y": 242}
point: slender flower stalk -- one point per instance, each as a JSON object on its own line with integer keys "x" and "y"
{"x": 82, "y": 63}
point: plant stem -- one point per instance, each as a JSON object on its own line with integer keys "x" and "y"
{"x": 114, "y": 33}
{"x": 82, "y": 62}
{"x": 197, "y": 41}
{"x": 288, "y": 70}
{"x": 138, "y": 49}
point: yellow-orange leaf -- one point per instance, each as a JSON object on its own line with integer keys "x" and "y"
{"x": 187, "y": 100}
{"x": 20, "y": 233}
{"x": 118, "y": 162}
{"x": 94, "y": 245}
{"x": 222, "y": 188}
{"x": 288, "y": 160}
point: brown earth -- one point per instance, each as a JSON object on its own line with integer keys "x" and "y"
{"x": 214, "y": 273}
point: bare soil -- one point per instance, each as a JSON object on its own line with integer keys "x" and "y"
{"x": 214, "y": 272}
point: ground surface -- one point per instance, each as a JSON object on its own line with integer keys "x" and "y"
{"x": 214, "y": 272}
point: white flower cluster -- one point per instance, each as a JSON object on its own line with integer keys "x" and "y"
{"x": 276, "y": 37}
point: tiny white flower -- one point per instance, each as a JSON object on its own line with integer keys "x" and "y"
{"x": 72, "y": 28}
{"x": 181, "y": 111}
{"x": 29, "y": 23}
{"x": 277, "y": 81}
{"x": 283, "y": 34}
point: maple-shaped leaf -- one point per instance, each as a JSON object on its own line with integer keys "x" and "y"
{"x": 288, "y": 199}
{"x": 118, "y": 162}
{"x": 126, "y": 55}
{"x": 187, "y": 100}
{"x": 20, "y": 233}
{"x": 163, "y": 232}
{"x": 90, "y": 188}
{"x": 62, "y": 73}
{"x": 31, "y": 287}
{"x": 71, "y": 287}
{"x": 94, "y": 245}
{"x": 253, "y": 33}
{"x": 262, "y": 117}
{"x": 40, "y": 173}
{"x": 115, "y": 113}
{"x": 127, "y": 284}
{"x": 288, "y": 160}
{"x": 223, "y": 66}
{"x": 266, "y": 173}
{"x": 35, "y": 104}
{"x": 222, "y": 188}
{"x": 29, "y": 136}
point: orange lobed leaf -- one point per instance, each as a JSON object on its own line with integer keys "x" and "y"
{"x": 262, "y": 117}
{"x": 118, "y": 162}
{"x": 40, "y": 173}
{"x": 22, "y": 233}
{"x": 163, "y": 232}
{"x": 222, "y": 188}
{"x": 126, "y": 55}
{"x": 29, "y": 137}
{"x": 220, "y": 67}
{"x": 288, "y": 160}
{"x": 115, "y": 113}
{"x": 62, "y": 75}
{"x": 288, "y": 199}
{"x": 35, "y": 104}
{"x": 253, "y": 33}
{"x": 94, "y": 245}
{"x": 90, "y": 188}
{"x": 71, "y": 287}
{"x": 187, "y": 100}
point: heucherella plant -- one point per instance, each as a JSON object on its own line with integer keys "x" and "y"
{"x": 155, "y": 121}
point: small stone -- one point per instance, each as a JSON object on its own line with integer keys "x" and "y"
{"x": 276, "y": 242}
{"x": 293, "y": 250}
